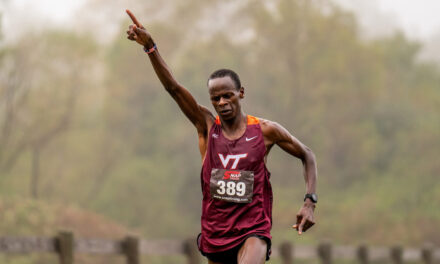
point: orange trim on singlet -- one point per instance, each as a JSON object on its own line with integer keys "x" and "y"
{"x": 251, "y": 120}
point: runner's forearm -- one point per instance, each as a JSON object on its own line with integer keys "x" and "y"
{"x": 180, "y": 94}
{"x": 163, "y": 72}
{"x": 310, "y": 171}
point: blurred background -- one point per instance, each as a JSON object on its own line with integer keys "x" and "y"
{"x": 91, "y": 142}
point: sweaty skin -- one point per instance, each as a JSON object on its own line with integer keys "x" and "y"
{"x": 226, "y": 100}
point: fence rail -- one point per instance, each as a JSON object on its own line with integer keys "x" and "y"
{"x": 66, "y": 246}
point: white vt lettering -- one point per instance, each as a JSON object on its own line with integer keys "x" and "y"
{"x": 237, "y": 158}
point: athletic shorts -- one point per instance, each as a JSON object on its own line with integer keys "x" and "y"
{"x": 230, "y": 256}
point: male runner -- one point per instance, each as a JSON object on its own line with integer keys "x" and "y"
{"x": 237, "y": 195}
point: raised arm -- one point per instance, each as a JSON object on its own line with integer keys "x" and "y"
{"x": 199, "y": 115}
{"x": 276, "y": 134}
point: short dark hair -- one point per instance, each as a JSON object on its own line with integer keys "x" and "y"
{"x": 226, "y": 72}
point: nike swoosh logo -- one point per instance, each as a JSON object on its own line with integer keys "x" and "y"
{"x": 249, "y": 139}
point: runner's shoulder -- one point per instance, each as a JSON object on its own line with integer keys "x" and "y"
{"x": 209, "y": 119}
{"x": 266, "y": 125}
{"x": 270, "y": 129}
{"x": 208, "y": 114}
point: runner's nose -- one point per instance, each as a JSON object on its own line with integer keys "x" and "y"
{"x": 222, "y": 101}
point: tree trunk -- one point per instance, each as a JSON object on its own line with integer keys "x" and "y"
{"x": 35, "y": 175}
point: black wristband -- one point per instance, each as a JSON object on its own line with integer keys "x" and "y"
{"x": 312, "y": 196}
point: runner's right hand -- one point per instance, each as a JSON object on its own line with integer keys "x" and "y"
{"x": 138, "y": 33}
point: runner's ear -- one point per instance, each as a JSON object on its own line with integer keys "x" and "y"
{"x": 241, "y": 95}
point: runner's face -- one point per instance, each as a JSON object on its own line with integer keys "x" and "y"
{"x": 225, "y": 97}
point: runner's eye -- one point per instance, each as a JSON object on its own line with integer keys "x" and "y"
{"x": 216, "y": 98}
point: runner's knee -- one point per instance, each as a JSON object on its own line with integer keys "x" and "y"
{"x": 253, "y": 251}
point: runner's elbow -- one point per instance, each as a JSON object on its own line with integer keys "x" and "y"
{"x": 309, "y": 156}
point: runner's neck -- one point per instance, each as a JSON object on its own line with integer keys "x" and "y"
{"x": 234, "y": 128}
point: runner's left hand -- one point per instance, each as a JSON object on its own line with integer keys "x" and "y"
{"x": 304, "y": 218}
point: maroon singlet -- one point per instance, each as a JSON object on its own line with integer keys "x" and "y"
{"x": 237, "y": 195}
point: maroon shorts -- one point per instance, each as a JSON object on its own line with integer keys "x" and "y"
{"x": 230, "y": 256}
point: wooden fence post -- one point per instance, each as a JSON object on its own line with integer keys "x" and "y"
{"x": 363, "y": 254}
{"x": 286, "y": 253}
{"x": 325, "y": 253}
{"x": 64, "y": 244}
{"x": 191, "y": 251}
{"x": 427, "y": 255}
{"x": 130, "y": 248}
{"x": 397, "y": 255}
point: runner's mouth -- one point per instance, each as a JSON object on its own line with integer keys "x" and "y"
{"x": 225, "y": 112}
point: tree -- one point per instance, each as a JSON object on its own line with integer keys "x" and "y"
{"x": 39, "y": 92}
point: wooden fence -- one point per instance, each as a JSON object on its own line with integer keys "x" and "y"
{"x": 66, "y": 246}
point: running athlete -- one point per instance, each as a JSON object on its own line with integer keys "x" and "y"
{"x": 237, "y": 195}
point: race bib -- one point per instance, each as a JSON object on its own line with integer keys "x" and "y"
{"x": 235, "y": 186}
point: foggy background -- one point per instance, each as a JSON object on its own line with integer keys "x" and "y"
{"x": 91, "y": 142}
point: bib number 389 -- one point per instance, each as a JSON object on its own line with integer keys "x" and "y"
{"x": 231, "y": 188}
{"x": 232, "y": 185}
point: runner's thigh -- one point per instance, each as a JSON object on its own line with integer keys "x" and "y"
{"x": 253, "y": 251}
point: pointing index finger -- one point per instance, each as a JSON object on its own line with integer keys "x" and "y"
{"x": 133, "y": 18}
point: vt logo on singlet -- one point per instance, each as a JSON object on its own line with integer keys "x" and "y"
{"x": 235, "y": 158}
